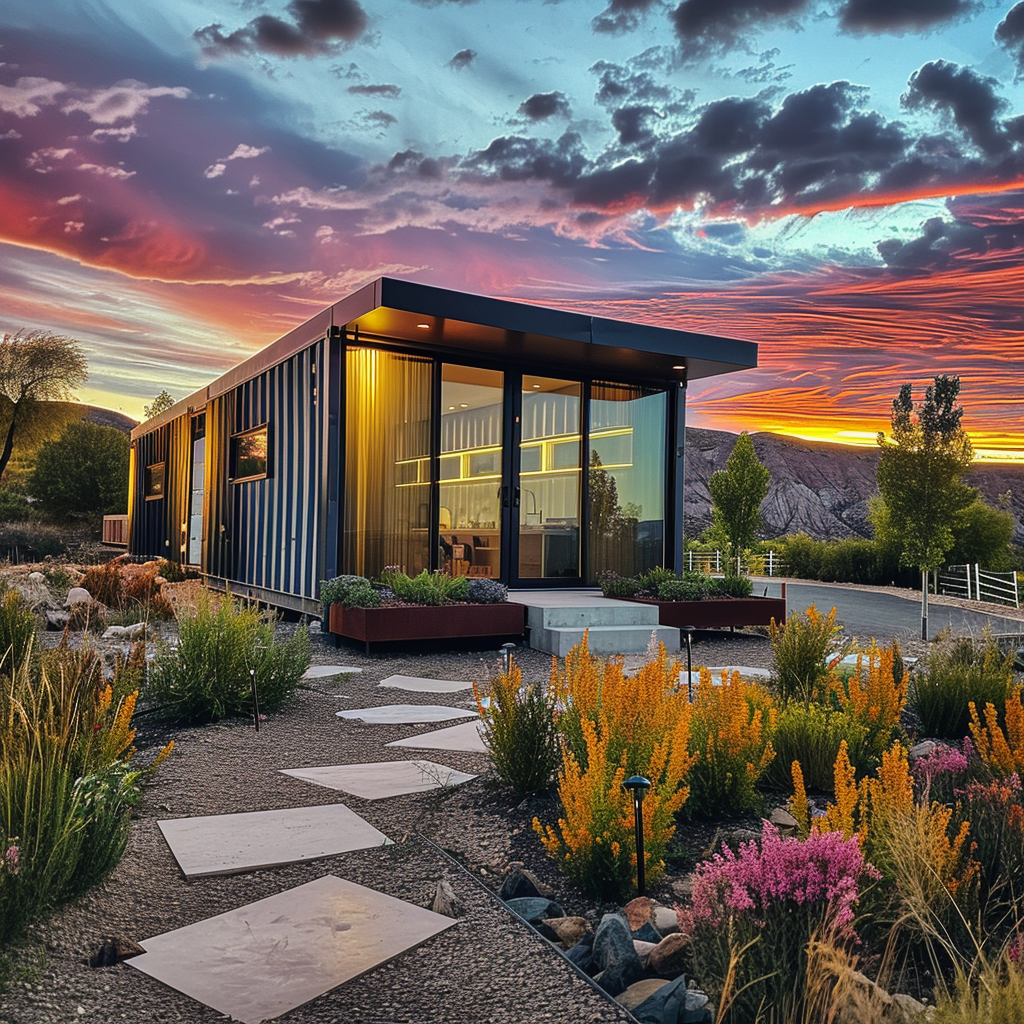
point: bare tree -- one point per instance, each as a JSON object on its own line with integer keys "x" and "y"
{"x": 35, "y": 366}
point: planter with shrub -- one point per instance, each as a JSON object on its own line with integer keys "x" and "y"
{"x": 425, "y": 607}
{"x": 694, "y": 599}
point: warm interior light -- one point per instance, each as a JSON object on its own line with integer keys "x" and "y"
{"x": 463, "y": 405}
{"x": 678, "y": 367}
{"x": 423, "y": 327}
{"x": 451, "y": 408}
{"x": 536, "y": 387}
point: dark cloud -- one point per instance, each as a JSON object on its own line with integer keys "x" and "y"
{"x": 622, "y": 16}
{"x": 380, "y": 118}
{"x": 1010, "y": 35}
{"x": 962, "y": 96}
{"x": 462, "y": 59}
{"x": 714, "y": 26}
{"x": 618, "y": 84}
{"x": 863, "y": 16}
{"x": 515, "y": 158}
{"x": 412, "y": 161}
{"x": 632, "y": 124}
{"x": 542, "y": 105}
{"x": 318, "y": 27}
{"x": 387, "y": 92}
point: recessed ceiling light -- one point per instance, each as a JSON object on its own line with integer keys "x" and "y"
{"x": 463, "y": 405}
{"x": 536, "y": 387}
{"x": 678, "y": 367}
{"x": 423, "y": 327}
{"x": 451, "y": 408}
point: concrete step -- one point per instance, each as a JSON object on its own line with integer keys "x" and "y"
{"x": 603, "y": 640}
{"x": 605, "y": 613}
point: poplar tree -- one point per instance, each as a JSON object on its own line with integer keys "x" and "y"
{"x": 736, "y": 495}
{"x": 920, "y": 478}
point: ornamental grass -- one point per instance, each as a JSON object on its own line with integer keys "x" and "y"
{"x": 800, "y": 648}
{"x": 731, "y": 730}
{"x": 67, "y": 780}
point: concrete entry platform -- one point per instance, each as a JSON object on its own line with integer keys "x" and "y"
{"x": 557, "y": 619}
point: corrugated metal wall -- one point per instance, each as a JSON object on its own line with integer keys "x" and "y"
{"x": 146, "y": 520}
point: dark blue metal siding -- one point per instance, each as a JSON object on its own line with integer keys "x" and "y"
{"x": 146, "y": 520}
{"x": 275, "y": 525}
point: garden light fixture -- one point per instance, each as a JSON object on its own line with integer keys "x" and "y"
{"x": 638, "y": 786}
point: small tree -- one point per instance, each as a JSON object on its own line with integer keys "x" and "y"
{"x": 35, "y": 366}
{"x": 83, "y": 472}
{"x": 161, "y": 403}
{"x": 736, "y": 495}
{"x": 920, "y": 478}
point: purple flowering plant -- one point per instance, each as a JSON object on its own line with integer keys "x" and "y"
{"x": 940, "y": 773}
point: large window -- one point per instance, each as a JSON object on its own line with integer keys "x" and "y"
{"x": 387, "y": 461}
{"x": 627, "y": 479}
{"x": 153, "y": 481}
{"x": 249, "y": 455}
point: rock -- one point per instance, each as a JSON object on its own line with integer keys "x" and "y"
{"x": 644, "y": 950}
{"x": 638, "y": 912}
{"x": 682, "y": 888}
{"x": 665, "y": 920}
{"x": 535, "y": 908}
{"x": 614, "y": 955}
{"x": 905, "y": 1008}
{"x": 671, "y": 956}
{"x": 674, "y": 1003}
{"x": 736, "y": 836}
{"x": 782, "y": 818}
{"x": 56, "y": 620}
{"x": 445, "y": 901}
{"x": 37, "y": 577}
{"x": 34, "y": 590}
{"x": 114, "y": 633}
{"x": 582, "y": 955}
{"x": 639, "y": 992}
{"x": 861, "y": 999}
{"x": 919, "y": 750}
{"x": 136, "y": 631}
{"x": 569, "y": 930}
{"x": 77, "y": 595}
{"x": 521, "y": 883}
{"x": 113, "y": 951}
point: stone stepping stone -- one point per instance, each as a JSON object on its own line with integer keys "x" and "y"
{"x": 264, "y": 959}
{"x": 382, "y": 778}
{"x": 402, "y": 714}
{"x": 416, "y": 684}
{"x": 716, "y": 673}
{"x": 466, "y": 736}
{"x": 226, "y": 844}
{"x": 326, "y": 671}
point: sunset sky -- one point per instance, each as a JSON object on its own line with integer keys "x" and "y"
{"x": 841, "y": 181}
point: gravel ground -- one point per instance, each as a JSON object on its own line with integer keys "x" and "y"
{"x": 488, "y": 968}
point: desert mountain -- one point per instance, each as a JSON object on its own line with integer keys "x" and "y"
{"x": 818, "y": 488}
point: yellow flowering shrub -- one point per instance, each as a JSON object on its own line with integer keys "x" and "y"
{"x": 1002, "y": 751}
{"x": 618, "y": 726}
{"x": 731, "y": 731}
{"x": 875, "y": 694}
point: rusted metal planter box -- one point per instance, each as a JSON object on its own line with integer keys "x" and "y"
{"x": 416, "y": 622}
{"x": 720, "y": 611}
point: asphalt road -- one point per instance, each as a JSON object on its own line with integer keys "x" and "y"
{"x": 865, "y": 613}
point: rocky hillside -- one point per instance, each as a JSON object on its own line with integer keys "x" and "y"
{"x": 818, "y": 488}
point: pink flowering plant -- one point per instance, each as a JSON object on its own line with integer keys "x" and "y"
{"x": 782, "y": 892}
{"x": 938, "y": 775}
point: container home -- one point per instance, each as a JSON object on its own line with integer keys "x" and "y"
{"x": 422, "y": 428}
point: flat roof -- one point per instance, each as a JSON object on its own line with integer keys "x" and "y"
{"x": 462, "y": 324}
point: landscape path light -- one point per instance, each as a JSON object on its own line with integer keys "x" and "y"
{"x": 638, "y": 786}
{"x": 688, "y": 633}
{"x": 507, "y": 650}
{"x": 255, "y": 694}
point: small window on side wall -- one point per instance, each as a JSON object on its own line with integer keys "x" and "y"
{"x": 154, "y": 481}
{"x": 249, "y": 455}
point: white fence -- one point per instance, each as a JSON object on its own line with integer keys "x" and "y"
{"x": 977, "y": 584}
{"x": 749, "y": 565}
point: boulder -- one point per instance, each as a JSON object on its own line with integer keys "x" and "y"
{"x": 34, "y": 590}
{"x": 919, "y": 750}
{"x": 569, "y": 930}
{"x": 582, "y": 955}
{"x": 136, "y": 631}
{"x": 674, "y": 1003}
{"x": 77, "y": 595}
{"x": 665, "y": 920}
{"x": 781, "y": 817}
{"x": 639, "y": 915}
{"x": 56, "y": 621}
{"x": 614, "y": 955}
{"x": 639, "y": 992}
{"x": 445, "y": 901}
{"x": 535, "y": 908}
{"x": 115, "y": 633}
{"x": 644, "y": 950}
{"x": 671, "y": 956}
{"x": 861, "y": 998}
{"x": 113, "y": 951}
{"x": 521, "y": 883}
{"x": 904, "y": 1008}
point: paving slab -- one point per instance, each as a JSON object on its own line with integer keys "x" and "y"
{"x": 417, "y": 684}
{"x": 226, "y": 844}
{"x": 466, "y": 736}
{"x": 382, "y": 778}
{"x": 264, "y": 959}
{"x": 401, "y": 714}
{"x": 326, "y": 671}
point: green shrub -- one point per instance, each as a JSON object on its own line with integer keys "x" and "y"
{"x": 208, "y": 677}
{"x": 954, "y": 676}
{"x": 482, "y": 590}
{"x": 613, "y": 585}
{"x": 731, "y": 586}
{"x": 83, "y": 472}
{"x": 520, "y": 732}
{"x": 14, "y": 506}
{"x": 800, "y": 648}
{"x": 17, "y": 630}
{"x": 649, "y": 582}
{"x": 811, "y": 734}
{"x": 427, "y": 588}
{"x": 691, "y": 587}
{"x": 350, "y": 591}
{"x": 30, "y": 541}
{"x": 846, "y": 561}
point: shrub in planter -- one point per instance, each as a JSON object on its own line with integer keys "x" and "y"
{"x": 731, "y": 586}
{"x": 613, "y": 585}
{"x": 350, "y": 591}
{"x": 954, "y": 677}
{"x": 686, "y": 588}
{"x": 426, "y": 588}
{"x": 520, "y": 732}
{"x": 484, "y": 591}
{"x": 207, "y": 677}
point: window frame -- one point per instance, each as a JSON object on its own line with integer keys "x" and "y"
{"x": 233, "y": 454}
{"x": 147, "y": 476}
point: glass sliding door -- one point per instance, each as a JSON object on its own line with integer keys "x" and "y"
{"x": 471, "y": 471}
{"x": 548, "y": 491}
{"x": 626, "y": 463}
{"x": 388, "y": 427}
